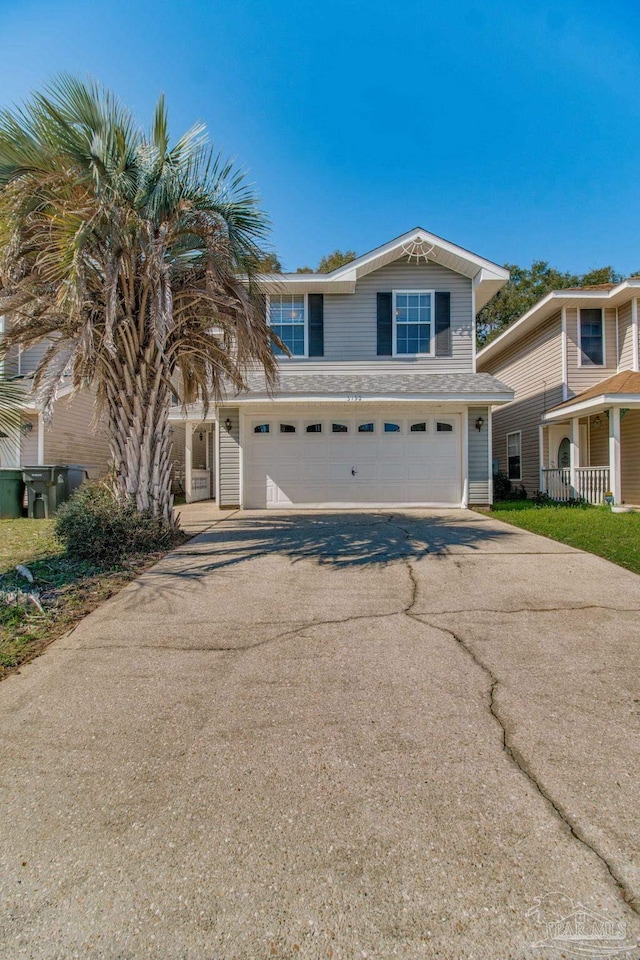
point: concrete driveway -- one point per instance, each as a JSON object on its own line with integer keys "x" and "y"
{"x": 331, "y": 735}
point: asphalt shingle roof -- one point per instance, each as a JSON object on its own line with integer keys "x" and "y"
{"x": 342, "y": 385}
{"x": 625, "y": 382}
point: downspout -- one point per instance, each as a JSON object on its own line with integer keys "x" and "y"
{"x": 565, "y": 364}
{"x": 634, "y": 331}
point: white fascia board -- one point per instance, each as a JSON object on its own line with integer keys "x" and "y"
{"x": 464, "y": 398}
{"x": 630, "y": 401}
{"x": 418, "y": 233}
{"x": 307, "y": 283}
{"x": 194, "y": 412}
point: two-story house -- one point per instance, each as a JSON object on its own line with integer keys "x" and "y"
{"x": 379, "y": 403}
{"x": 573, "y": 429}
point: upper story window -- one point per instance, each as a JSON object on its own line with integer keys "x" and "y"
{"x": 412, "y": 322}
{"x": 287, "y": 316}
{"x": 591, "y": 337}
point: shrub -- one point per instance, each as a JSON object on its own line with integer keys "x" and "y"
{"x": 501, "y": 486}
{"x": 96, "y": 527}
{"x": 503, "y": 489}
{"x": 544, "y": 500}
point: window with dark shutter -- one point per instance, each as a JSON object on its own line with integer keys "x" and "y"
{"x": 443, "y": 324}
{"x": 316, "y": 324}
{"x": 385, "y": 325}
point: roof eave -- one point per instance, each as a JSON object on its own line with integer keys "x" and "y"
{"x": 479, "y": 397}
{"x": 630, "y": 401}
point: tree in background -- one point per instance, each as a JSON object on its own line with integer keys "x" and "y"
{"x": 268, "y": 263}
{"x": 338, "y": 258}
{"x": 526, "y": 286}
{"x": 122, "y": 253}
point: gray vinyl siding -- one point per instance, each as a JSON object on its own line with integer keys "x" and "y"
{"x": 625, "y": 337}
{"x": 478, "y": 467}
{"x": 72, "y": 436}
{"x": 582, "y": 377}
{"x": 532, "y": 367}
{"x": 229, "y": 466}
{"x": 350, "y": 322}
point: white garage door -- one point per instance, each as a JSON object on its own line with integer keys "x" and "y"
{"x": 333, "y": 460}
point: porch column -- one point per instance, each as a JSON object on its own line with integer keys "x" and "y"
{"x": 188, "y": 459}
{"x": 574, "y": 455}
{"x": 615, "y": 473}
{"x": 541, "y": 463}
{"x": 207, "y": 456}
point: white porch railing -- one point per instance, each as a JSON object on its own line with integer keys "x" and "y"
{"x": 200, "y": 485}
{"x": 591, "y": 483}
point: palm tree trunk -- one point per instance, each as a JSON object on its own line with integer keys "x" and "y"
{"x": 138, "y": 400}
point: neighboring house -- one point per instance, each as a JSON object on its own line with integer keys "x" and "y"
{"x": 70, "y": 437}
{"x": 380, "y": 402}
{"x": 573, "y": 428}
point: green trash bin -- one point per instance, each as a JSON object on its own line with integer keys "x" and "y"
{"x": 11, "y": 491}
{"x": 49, "y": 486}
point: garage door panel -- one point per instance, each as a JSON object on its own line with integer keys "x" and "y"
{"x": 366, "y": 448}
{"x": 314, "y": 470}
{"x": 366, "y": 471}
{"x": 339, "y": 471}
{"x": 393, "y": 470}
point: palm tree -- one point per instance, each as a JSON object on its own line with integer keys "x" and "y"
{"x": 136, "y": 261}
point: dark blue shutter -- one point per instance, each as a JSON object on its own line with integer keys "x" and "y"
{"x": 385, "y": 325}
{"x": 443, "y": 324}
{"x": 316, "y": 325}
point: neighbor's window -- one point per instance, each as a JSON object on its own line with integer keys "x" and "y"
{"x": 287, "y": 318}
{"x": 591, "y": 337}
{"x": 412, "y": 311}
{"x": 514, "y": 455}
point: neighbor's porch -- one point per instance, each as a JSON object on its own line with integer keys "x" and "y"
{"x": 590, "y": 456}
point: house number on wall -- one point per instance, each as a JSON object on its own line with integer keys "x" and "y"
{"x": 354, "y": 396}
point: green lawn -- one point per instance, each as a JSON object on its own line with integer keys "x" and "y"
{"x": 66, "y": 590}
{"x": 615, "y": 536}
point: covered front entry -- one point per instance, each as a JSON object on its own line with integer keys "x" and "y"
{"x": 345, "y": 456}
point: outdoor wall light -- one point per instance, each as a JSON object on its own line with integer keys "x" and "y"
{"x": 228, "y": 424}
{"x": 597, "y": 422}
{"x": 479, "y": 423}
{"x": 200, "y": 436}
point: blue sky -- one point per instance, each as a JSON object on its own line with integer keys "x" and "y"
{"x": 509, "y": 127}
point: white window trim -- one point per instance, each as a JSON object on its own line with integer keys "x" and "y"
{"x": 394, "y": 343}
{"x": 515, "y": 433}
{"x": 297, "y": 356}
{"x": 604, "y": 338}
